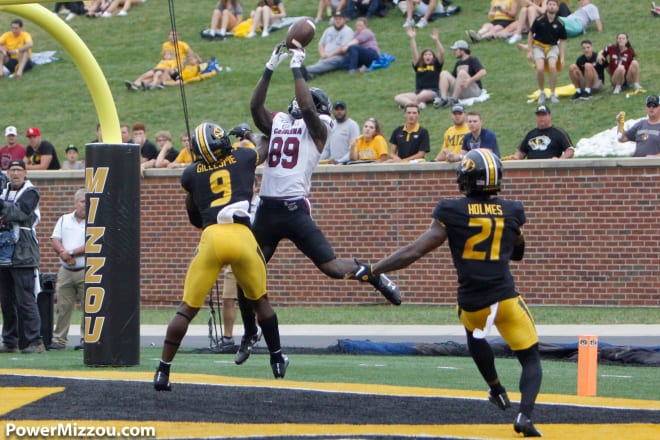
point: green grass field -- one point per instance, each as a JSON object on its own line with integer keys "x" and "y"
{"x": 54, "y": 97}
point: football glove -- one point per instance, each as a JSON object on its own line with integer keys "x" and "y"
{"x": 297, "y": 57}
{"x": 362, "y": 273}
{"x": 239, "y": 131}
{"x": 278, "y": 55}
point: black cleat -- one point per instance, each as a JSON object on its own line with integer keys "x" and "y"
{"x": 524, "y": 426}
{"x": 279, "y": 368}
{"x": 500, "y": 400}
{"x": 245, "y": 349}
{"x": 162, "y": 381}
{"x": 389, "y": 290}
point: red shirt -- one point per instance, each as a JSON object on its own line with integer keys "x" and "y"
{"x": 7, "y": 154}
{"x": 617, "y": 58}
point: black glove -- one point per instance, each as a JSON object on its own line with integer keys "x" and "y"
{"x": 362, "y": 273}
{"x": 239, "y": 131}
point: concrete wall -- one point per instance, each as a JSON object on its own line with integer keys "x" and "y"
{"x": 593, "y": 231}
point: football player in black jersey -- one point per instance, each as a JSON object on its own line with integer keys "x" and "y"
{"x": 219, "y": 187}
{"x": 484, "y": 233}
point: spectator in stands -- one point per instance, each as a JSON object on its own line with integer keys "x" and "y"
{"x": 363, "y": 8}
{"x": 363, "y": 49}
{"x": 337, "y": 148}
{"x": 501, "y": 14}
{"x": 371, "y": 145}
{"x": 529, "y": 10}
{"x": 267, "y": 13}
{"x": 586, "y": 74}
{"x": 40, "y": 154}
{"x": 452, "y": 143}
{"x": 478, "y": 137}
{"x": 545, "y": 141}
{"x": 578, "y": 22}
{"x": 622, "y": 64}
{"x": 12, "y": 150}
{"x": 546, "y": 47}
{"x": 148, "y": 150}
{"x": 167, "y": 153}
{"x": 462, "y": 82}
{"x": 409, "y": 141}
{"x": 226, "y": 15}
{"x": 645, "y": 133}
{"x": 427, "y": 67}
{"x": 72, "y": 162}
{"x": 15, "y": 51}
{"x": 331, "y": 48}
{"x": 185, "y": 156}
{"x": 423, "y": 9}
{"x": 115, "y": 6}
{"x": 71, "y": 9}
{"x": 126, "y": 134}
{"x": 330, "y": 9}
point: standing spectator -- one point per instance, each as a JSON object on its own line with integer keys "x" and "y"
{"x": 267, "y": 13}
{"x": 645, "y": 133}
{"x": 578, "y": 22}
{"x": 12, "y": 150}
{"x": 148, "y": 150}
{"x": 409, "y": 141}
{"x": 19, "y": 212}
{"x": 487, "y": 294}
{"x": 546, "y": 48}
{"x": 545, "y": 141}
{"x": 478, "y": 137}
{"x": 371, "y": 145}
{"x": 363, "y": 49}
{"x": 15, "y": 51}
{"x": 72, "y": 162}
{"x": 337, "y": 149}
{"x": 501, "y": 14}
{"x": 226, "y": 15}
{"x": 167, "y": 154}
{"x": 68, "y": 241}
{"x": 40, "y": 154}
{"x": 427, "y": 67}
{"x": 529, "y": 10}
{"x": 586, "y": 74}
{"x": 331, "y": 48}
{"x": 452, "y": 143}
{"x": 126, "y": 134}
{"x": 622, "y": 64}
{"x": 185, "y": 156}
{"x": 464, "y": 81}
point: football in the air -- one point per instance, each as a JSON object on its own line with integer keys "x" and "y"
{"x": 300, "y": 33}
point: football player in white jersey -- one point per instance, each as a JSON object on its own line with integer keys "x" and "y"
{"x": 296, "y": 140}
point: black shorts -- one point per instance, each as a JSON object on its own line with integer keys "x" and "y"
{"x": 291, "y": 219}
{"x": 12, "y": 63}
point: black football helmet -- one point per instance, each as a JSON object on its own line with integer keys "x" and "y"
{"x": 480, "y": 173}
{"x": 210, "y": 143}
{"x": 321, "y": 102}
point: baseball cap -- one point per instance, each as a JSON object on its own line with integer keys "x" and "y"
{"x": 338, "y": 13}
{"x": 70, "y": 147}
{"x": 460, "y": 44}
{"x": 339, "y": 104}
{"x": 11, "y": 131}
{"x": 458, "y": 109}
{"x": 16, "y": 163}
{"x": 652, "y": 101}
{"x": 543, "y": 109}
{"x": 32, "y": 131}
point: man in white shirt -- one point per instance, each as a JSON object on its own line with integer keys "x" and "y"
{"x": 330, "y": 49}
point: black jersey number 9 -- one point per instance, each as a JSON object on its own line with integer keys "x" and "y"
{"x": 220, "y": 183}
{"x": 283, "y": 151}
{"x": 490, "y": 232}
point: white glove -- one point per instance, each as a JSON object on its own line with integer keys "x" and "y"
{"x": 278, "y": 55}
{"x": 297, "y": 57}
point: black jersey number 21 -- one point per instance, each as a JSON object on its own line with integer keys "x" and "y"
{"x": 490, "y": 233}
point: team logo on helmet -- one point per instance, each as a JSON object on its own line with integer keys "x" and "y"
{"x": 210, "y": 143}
{"x": 480, "y": 172}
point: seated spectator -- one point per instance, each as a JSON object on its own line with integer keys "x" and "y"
{"x": 427, "y": 67}
{"x": 15, "y": 51}
{"x": 545, "y": 141}
{"x": 155, "y": 78}
{"x": 362, "y": 8}
{"x": 464, "y": 81}
{"x": 72, "y": 162}
{"x": 114, "y": 5}
{"x": 423, "y": 9}
{"x": 452, "y": 143}
{"x": 226, "y": 15}
{"x": 167, "y": 153}
{"x": 185, "y": 156}
{"x": 564, "y": 8}
{"x": 371, "y": 145}
{"x": 363, "y": 49}
{"x": 578, "y": 22}
{"x": 622, "y": 64}
{"x": 268, "y": 12}
{"x": 71, "y": 9}
{"x": 546, "y": 48}
{"x": 500, "y": 15}
{"x": 40, "y": 154}
{"x": 478, "y": 137}
{"x": 12, "y": 150}
{"x": 529, "y": 10}
{"x": 330, "y": 9}
{"x": 331, "y": 49}
{"x": 586, "y": 74}
{"x": 645, "y": 133}
{"x": 409, "y": 141}
{"x": 337, "y": 148}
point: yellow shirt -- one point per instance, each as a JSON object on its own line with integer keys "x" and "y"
{"x": 499, "y": 15}
{"x": 12, "y": 42}
{"x": 184, "y": 156}
{"x": 371, "y": 150}
{"x": 453, "y": 138}
{"x": 183, "y": 48}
